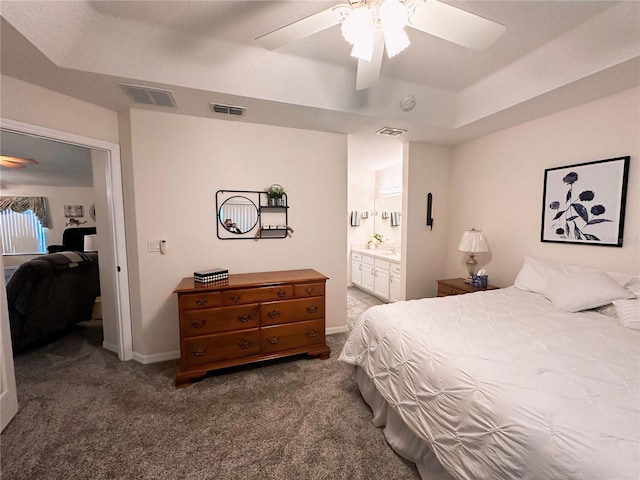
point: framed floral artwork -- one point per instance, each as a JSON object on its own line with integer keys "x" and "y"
{"x": 73, "y": 211}
{"x": 585, "y": 203}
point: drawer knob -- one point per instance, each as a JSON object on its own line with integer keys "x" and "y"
{"x": 199, "y": 353}
{"x": 200, "y": 324}
{"x": 273, "y": 314}
{"x": 308, "y": 290}
{"x": 312, "y": 309}
{"x": 235, "y": 298}
{"x": 244, "y": 318}
{"x": 273, "y": 340}
{"x": 243, "y": 344}
{"x": 312, "y": 333}
{"x": 200, "y": 301}
{"x": 281, "y": 293}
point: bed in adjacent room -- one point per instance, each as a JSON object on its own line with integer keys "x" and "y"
{"x": 535, "y": 381}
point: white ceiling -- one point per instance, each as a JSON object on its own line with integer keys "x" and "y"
{"x": 554, "y": 55}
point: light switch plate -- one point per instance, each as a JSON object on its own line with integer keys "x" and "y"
{"x": 153, "y": 245}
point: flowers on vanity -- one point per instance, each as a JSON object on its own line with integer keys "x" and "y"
{"x": 375, "y": 240}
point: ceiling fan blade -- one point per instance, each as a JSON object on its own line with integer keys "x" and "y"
{"x": 369, "y": 72}
{"x": 455, "y": 25}
{"x": 302, "y": 28}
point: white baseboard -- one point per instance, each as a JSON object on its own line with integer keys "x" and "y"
{"x": 332, "y": 330}
{"x": 145, "y": 359}
{"x": 156, "y": 357}
{"x": 111, "y": 347}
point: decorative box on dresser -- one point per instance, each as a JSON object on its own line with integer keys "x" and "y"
{"x": 250, "y": 317}
{"x": 457, "y": 286}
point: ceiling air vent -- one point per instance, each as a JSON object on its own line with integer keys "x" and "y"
{"x": 149, "y": 96}
{"x": 228, "y": 109}
{"x": 391, "y": 132}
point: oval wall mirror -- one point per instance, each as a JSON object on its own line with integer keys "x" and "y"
{"x": 238, "y": 214}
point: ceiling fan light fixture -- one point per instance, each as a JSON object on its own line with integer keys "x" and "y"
{"x": 357, "y": 24}
{"x": 394, "y": 16}
{"x": 363, "y": 48}
{"x": 15, "y": 162}
{"x": 395, "y": 41}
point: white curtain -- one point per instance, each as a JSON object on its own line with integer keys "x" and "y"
{"x": 21, "y": 204}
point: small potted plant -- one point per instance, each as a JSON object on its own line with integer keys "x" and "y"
{"x": 375, "y": 240}
{"x": 274, "y": 195}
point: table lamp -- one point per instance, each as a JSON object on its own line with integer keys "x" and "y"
{"x": 473, "y": 242}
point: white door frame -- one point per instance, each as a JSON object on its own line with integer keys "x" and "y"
{"x": 115, "y": 216}
{"x": 8, "y": 391}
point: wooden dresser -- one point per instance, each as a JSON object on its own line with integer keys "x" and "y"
{"x": 248, "y": 318}
{"x": 456, "y": 286}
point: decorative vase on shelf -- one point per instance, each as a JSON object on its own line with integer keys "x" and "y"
{"x": 372, "y": 246}
{"x": 272, "y": 201}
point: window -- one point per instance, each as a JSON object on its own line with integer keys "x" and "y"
{"x": 22, "y": 232}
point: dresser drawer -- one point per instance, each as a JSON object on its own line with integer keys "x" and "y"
{"x": 292, "y": 335}
{"x": 255, "y": 295}
{"x": 308, "y": 290}
{"x": 200, "y": 300}
{"x": 223, "y": 319}
{"x": 274, "y": 313}
{"x": 220, "y": 347}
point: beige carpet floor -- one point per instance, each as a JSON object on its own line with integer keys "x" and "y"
{"x": 86, "y": 415}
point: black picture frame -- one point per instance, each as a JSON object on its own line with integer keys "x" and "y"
{"x": 585, "y": 203}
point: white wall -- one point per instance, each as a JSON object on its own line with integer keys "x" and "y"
{"x": 56, "y": 197}
{"x": 177, "y": 163}
{"x": 426, "y": 169}
{"x": 390, "y": 177}
{"x": 362, "y": 183}
{"x": 28, "y": 103}
{"x": 497, "y": 186}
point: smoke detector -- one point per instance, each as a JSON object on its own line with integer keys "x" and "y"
{"x": 407, "y": 103}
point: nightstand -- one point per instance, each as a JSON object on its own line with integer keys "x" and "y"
{"x": 456, "y": 286}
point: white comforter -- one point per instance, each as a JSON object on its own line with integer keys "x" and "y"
{"x": 502, "y": 385}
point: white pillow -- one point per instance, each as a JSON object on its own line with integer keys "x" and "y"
{"x": 583, "y": 291}
{"x": 628, "y": 313}
{"x": 633, "y": 286}
{"x": 536, "y": 274}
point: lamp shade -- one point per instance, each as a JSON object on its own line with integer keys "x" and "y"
{"x": 90, "y": 243}
{"x": 473, "y": 241}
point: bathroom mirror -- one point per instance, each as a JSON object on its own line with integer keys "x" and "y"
{"x": 238, "y": 215}
{"x": 388, "y": 217}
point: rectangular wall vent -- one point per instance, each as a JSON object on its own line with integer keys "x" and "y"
{"x": 391, "y": 132}
{"x": 228, "y": 109}
{"x": 149, "y": 96}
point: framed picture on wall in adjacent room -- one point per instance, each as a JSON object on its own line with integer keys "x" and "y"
{"x": 585, "y": 203}
{"x": 73, "y": 211}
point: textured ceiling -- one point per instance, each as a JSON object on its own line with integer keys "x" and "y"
{"x": 554, "y": 55}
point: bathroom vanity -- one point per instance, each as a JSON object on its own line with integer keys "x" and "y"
{"x": 377, "y": 272}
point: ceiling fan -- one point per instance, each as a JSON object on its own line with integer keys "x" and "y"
{"x": 370, "y": 25}
{"x": 15, "y": 162}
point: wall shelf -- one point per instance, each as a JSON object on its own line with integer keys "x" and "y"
{"x": 246, "y": 215}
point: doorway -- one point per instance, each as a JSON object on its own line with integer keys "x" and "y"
{"x": 107, "y": 180}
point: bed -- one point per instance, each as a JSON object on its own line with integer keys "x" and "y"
{"x": 510, "y": 383}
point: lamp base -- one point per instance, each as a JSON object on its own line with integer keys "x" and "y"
{"x": 471, "y": 266}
